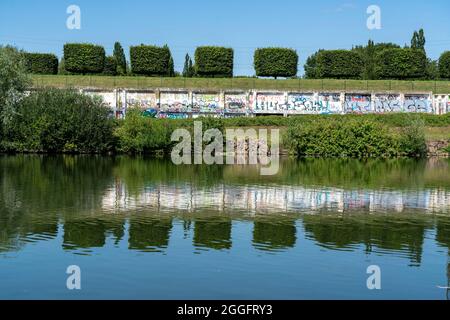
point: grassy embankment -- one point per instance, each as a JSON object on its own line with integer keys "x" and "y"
{"x": 109, "y": 82}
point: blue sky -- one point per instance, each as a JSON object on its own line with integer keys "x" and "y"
{"x": 244, "y": 25}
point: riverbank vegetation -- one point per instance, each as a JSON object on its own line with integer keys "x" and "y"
{"x": 66, "y": 121}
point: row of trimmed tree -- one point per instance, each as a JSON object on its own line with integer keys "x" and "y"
{"x": 371, "y": 62}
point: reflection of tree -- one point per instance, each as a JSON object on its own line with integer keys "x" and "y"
{"x": 87, "y": 232}
{"x": 395, "y": 233}
{"x": 279, "y": 234}
{"x": 84, "y": 234}
{"x": 35, "y": 190}
{"x": 149, "y": 234}
{"x": 214, "y": 233}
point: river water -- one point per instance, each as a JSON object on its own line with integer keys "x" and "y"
{"x": 142, "y": 228}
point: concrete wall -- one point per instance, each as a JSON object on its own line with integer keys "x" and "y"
{"x": 173, "y": 103}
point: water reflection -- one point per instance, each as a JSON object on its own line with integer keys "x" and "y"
{"x": 151, "y": 235}
{"x": 213, "y": 233}
{"x": 93, "y": 200}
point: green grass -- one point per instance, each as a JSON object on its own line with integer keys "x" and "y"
{"x": 108, "y": 82}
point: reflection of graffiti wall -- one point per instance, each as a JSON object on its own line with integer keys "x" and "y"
{"x": 270, "y": 102}
{"x": 236, "y": 103}
{"x": 208, "y": 103}
{"x": 385, "y": 103}
{"x": 141, "y": 100}
{"x": 174, "y": 102}
{"x": 329, "y": 103}
{"x": 418, "y": 103}
{"x": 357, "y": 103}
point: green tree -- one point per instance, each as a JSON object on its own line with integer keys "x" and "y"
{"x": 188, "y": 69}
{"x": 418, "y": 40}
{"x": 13, "y": 83}
{"x": 171, "y": 67}
{"x": 191, "y": 69}
{"x": 119, "y": 55}
{"x": 368, "y": 54}
{"x": 310, "y": 66}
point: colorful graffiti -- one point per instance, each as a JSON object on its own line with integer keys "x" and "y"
{"x": 236, "y": 103}
{"x": 448, "y": 105}
{"x": 206, "y": 103}
{"x": 357, "y": 103}
{"x": 169, "y": 115}
{"x": 175, "y": 102}
{"x": 385, "y": 103}
{"x": 329, "y": 103}
{"x": 270, "y": 103}
{"x": 141, "y": 100}
{"x": 418, "y": 103}
{"x": 301, "y": 103}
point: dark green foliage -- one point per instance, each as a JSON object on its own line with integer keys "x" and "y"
{"x": 119, "y": 55}
{"x": 84, "y": 58}
{"x": 339, "y": 64}
{"x": 55, "y": 120}
{"x": 418, "y": 40}
{"x": 214, "y": 62}
{"x": 357, "y": 137}
{"x": 275, "y": 62}
{"x": 41, "y": 63}
{"x": 150, "y": 60}
{"x": 14, "y": 81}
{"x": 311, "y": 66}
{"x": 110, "y": 68}
{"x": 138, "y": 134}
{"x": 444, "y": 65}
{"x": 401, "y": 64}
{"x": 188, "y": 69}
{"x": 368, "y": 54}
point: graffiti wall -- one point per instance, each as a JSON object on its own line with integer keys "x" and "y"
{"x": 358, "y": 103}
{"x": 385, "y": 103}
{"x": 329, "y": 103}
{"x": 181, "y": 104}
{"x": 301, "y": 103}
{"x": 169, "y": 115}
{"x": 236, "y": 103}
{"x": 175, "y": 102}
{"x": 269, "y": 103}
{"x": 418, "y": 103}
{"x": 108, "y": 97}
{"x": 142, "y": 100}
{"x": 206, "y": 103}
{"x": 448, "y": 105}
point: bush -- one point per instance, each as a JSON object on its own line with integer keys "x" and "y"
{"x": 402, "y": 64}
{"x": 444, "y": 65}
{"x": 339, "y": 64}
{"x": 138, "y": 134}
{"x": 55, "y": 120}
{"x": 275, "y": 62}
{"x": 41, "y": 63}
{"x": 150, "y": 60}
{"x": 214, "y": 62}
{"x": 84, "y": 58}
{"x": 356, "y": 137}
{"x": 110, "y": 68}
{"x": 14, "y": 81}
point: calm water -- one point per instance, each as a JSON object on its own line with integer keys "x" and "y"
{"x": 146, "y": 229}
